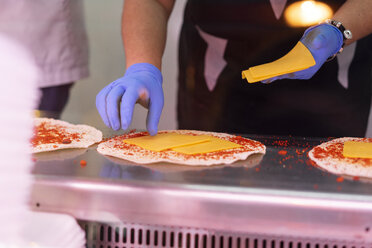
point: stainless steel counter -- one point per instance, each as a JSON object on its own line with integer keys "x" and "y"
{"x": 278, "y": 194}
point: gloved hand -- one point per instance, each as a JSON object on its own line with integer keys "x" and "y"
{"x": 323, "y": 41}
{"x": 141, "y": 83}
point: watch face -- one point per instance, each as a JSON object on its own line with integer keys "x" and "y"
{"x": 348, "y": 35}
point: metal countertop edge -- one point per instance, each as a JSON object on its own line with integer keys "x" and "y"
{"x": 207, "y": 191}
{"x": 269, "y": 212}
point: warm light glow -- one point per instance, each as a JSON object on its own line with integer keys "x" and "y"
{"x": 307, "y": 13}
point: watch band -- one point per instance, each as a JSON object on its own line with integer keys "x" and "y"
{"x": 346, "y": 34}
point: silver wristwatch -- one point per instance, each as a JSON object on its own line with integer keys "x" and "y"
{"x": 346, "y": 34}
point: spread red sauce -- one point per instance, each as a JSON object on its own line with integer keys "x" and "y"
{"x": 53, "y": 134}
{"x": 284, "y": 143}
{"x": 300, "y": 151}
{"x": 334, "y": 151}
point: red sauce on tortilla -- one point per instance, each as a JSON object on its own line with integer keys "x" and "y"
{"x": 53, "y": 134}
{"x": 335, "y": 151}
{"x": 247, "y": 145}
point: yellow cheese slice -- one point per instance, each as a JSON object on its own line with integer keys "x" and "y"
{"x": 299, "y": 58}
{"x": 165, "y": 141}
{"x": 355, "y": 149}
{"x": 213, "y": 145}
{"x": 248, "y": 75}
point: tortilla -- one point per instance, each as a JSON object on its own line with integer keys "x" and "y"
{"x": 329, "y": 156}
{"x": 115, "y": 147}
{"x": 51, "y": 135}
{"x": 252, "y": 161}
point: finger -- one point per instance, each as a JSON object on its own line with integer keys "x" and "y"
{"x": 304, "y": 74}
{"x": 155, "y": 107}
{"x": 101, "y": 104}
{"x": 112, "y": 108}
{"x": 128, "y": 101}
{"x": 270, "y": 80}
{"x": 285, "y": 76}
{"x": 292, "y": 75}
{"x": 143, "y": 98}
{"x": 267, "y": 81}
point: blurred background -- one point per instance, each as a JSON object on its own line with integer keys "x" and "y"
{"x": 107, "y": 63}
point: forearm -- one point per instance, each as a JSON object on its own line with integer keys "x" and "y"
{"x": 356, "y": 16}
{"x": 144, "y": 30}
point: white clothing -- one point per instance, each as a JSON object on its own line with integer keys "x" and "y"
{"x": 54, "y": 32}
{"x": 16, "y": 104}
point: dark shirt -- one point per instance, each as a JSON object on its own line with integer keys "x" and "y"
{"x": 319, "y": 107}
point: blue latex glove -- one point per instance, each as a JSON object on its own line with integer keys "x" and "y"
{"x": 323, "y": 41}
{"x": 141, "y": 83}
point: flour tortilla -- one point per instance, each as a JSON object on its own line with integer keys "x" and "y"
{"x": 115, "y": 147}
{"x": 252, "y": 161}
{"x": 329, "y": 156}
{"x": 87, "y": 135}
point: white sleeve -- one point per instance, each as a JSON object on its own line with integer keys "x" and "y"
{"x": 18, "y": 96}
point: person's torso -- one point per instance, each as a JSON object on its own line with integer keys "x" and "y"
{"x": 252, "y": 34}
